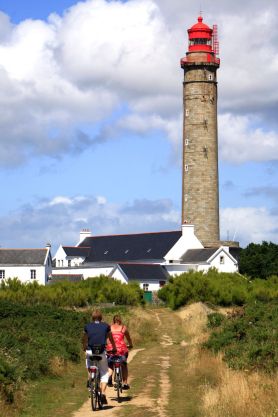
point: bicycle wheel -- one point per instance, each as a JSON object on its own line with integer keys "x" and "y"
{"x": 94, "y": 394}
{"x": 118, "y": 378}
{"x": 99, "y": 396}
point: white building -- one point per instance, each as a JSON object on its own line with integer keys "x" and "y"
{"x": 149, "y": 258}
{"x": 28, "y": 265}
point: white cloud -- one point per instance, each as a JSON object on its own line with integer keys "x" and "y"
{"x": 79, "y": 68}
{"x": 249, "y": 224}
{"x": 60, "y": 219}
{"x": 60, "y": 200}
{"x": 241, "y": 141}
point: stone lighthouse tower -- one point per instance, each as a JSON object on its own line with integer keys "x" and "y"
{"x": 200, "y": 195}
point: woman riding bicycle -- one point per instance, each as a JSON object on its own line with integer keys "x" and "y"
{"x": 120, "y": 333}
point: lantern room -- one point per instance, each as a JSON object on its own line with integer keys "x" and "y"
{"x": 200, "y": 37}
{"x": 203, "y": 44}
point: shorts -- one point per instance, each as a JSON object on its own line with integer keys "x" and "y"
{"x": 102, "y": 365}
{"x": 123, "y": 358}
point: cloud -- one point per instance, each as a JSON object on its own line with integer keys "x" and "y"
{"x": 249, "y": 224}
{"x": 81, "y": 67}
{"x": 240, "y": 140}
{"x": 59, "y": 220}
{"x": 269, "y": 192}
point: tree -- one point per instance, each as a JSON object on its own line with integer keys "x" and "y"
{"x": 259, "y": 260}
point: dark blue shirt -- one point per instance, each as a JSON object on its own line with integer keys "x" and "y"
{"x": 97, "y": 333}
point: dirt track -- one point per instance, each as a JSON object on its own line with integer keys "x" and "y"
{"x": 162, "y": 373}
{"x": 110, "y": 409}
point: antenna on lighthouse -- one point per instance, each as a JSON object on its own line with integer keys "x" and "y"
{"x": 215, "y": 45}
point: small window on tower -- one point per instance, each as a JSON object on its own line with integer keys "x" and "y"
{"x": 186, "y": 112}
{"x": 210, "y": 77}
{"x": 186, "y": 142}
{"x": 186, "y": 168}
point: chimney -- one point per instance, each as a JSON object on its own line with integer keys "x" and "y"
{"x": 187, "y": 230}
{"x": 84, "y": 233}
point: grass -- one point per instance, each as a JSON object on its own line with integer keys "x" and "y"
{"x": 58, "y": 396}
{"x": 63, "y": 390}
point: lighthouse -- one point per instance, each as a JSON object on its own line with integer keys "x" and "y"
{"x": 200, "y": 193}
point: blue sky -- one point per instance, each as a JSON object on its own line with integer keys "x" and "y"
{"x": 90, "y": 118}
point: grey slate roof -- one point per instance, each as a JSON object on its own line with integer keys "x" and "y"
{"x": 144, "y": 272}
{"x": 76, "y": 251}
{"x": 132, "y": 247}
{"x": 198, "y": 255}
{"x": 22, "y": 256}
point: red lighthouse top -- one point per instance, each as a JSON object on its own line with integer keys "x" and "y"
{"x": 200, "y": 36}
{"x": 203, "y": 44}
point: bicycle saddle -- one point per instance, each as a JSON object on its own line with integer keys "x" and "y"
{"x": 95, "y": 358}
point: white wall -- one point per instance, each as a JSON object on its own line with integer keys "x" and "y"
{"x": 188, "y": 240}
{"x": 86, "y": 272}
{"x": 62, "y": 259}
{"x": 23, "y": 273}
{"x": 119, "y": 275}
{"x": 153, "y": 286}
{"x": 228, "y": 265}
{"x": 177, "y": 269}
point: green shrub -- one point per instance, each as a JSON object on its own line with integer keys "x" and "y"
{"x": 67, "y": 294}
{"x": 249, "y": 341}
{"x": 214, "y": 320}
{"x": 225, "y": 289}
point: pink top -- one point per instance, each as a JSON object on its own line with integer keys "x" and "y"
{"x": 119, "y": 338}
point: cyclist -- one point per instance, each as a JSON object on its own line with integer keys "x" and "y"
{"x": 120, "y": 333}
{"x": 95, "y": 335}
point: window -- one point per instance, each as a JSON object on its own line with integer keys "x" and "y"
{"x": 2, "y": 274}
{"x": 210, "y": 77}
{"x": 200, "y": 41}
{"x": 62, "y": 263}
{"x": 222, "y": 260}
{"x": 186, "y": 142}
{"x": 186, "y": 112}
{"x": 186, "y": 168}
{"x": 69, "y": 262}
{"x": 146, "y": 287}
{"x": 33, "y": 273}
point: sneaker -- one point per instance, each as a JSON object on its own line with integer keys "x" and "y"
{"x": 103, "y": 399}
{"x": 110, "y": 382}
{"x": 126, "y": 386}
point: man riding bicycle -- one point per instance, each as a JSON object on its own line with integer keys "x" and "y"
{"x": 94, "y": 341}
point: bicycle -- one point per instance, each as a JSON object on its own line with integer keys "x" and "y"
{"x": 94, "y": 381}
{"x": 117, "y": 361}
